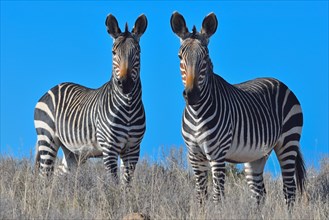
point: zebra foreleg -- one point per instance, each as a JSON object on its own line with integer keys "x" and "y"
{"x": 110, "y": 158}
{"x": 130, "y": 159}
{"x": 218, "y": 176}
{"x": 254, "y": 176}
{"x": 200, "y": 169}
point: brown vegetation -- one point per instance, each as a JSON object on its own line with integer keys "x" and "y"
{"x": 163, "y": 190}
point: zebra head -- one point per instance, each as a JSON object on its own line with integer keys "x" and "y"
{"x": 195, "y": 64}
{"x": 126, "y": 52}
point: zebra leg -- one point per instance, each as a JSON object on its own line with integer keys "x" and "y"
{"x": 46, "y": 153}
{"x": 291, "y": 163}
{"x": 218, "y": 177}
{"x": 69, "y": 162}
{"x": 254, "y": 176}
{"x": 110, "y": 158}
{"x": 129, "y": 162}
{"x": 200, "y": 168}
{"x": 288, "y": 151}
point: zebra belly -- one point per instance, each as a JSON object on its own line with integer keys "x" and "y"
{"x": 245, "y": 154}
{"x": 85, "y": 149}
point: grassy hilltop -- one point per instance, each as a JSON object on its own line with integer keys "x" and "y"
{"x": 162, "y": 191}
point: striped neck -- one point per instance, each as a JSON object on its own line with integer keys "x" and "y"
{"x": 135, "y": 93}
{"x": 205, "y": 95}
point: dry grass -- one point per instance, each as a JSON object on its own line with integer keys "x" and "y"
{"x": 160, "y": 191}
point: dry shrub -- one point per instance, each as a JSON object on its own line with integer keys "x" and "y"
{"x": 161, "y": 190}
{"x": 136, "y": 216}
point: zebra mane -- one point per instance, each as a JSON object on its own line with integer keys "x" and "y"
{"x": 126, "y": 33}
{"x": 194, "y": 31}
{"x": 211, "y": 66}
{"x": 196, "y": 35}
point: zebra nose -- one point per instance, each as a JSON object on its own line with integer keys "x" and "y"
{"x": 123, "y": 73}
{"x": 189, "y": 82}
{"x": 124, "y": 69}
{"x": 190, "y": 77}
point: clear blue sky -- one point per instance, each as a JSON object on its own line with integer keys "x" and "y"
{"x": 45, "y": 43}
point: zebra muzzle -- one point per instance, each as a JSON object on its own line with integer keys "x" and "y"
{"x": 192, "y": 97}
{"x": 126, "y": 85}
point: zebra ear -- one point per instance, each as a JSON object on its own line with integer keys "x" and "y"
{"x": 178, "y": 25}
{"x": 140, "y": 26}
{"x": 209, "y": 25}
{"x": 112, "y": 26}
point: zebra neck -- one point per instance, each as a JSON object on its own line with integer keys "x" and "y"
{"x": 132, "y": 97}
{"x": 206, "y": 96}
{"x": 222, "y": 86}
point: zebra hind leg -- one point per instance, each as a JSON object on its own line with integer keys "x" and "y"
{"x": 254, "y": 176}
{"x": 291, "y": 163}
{"x": 47, "y": 148}
{"x": 47, "y": 141}
{"x": 70, "y": 161}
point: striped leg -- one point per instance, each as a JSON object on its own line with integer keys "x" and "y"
{"x": 47, "y": 141}
{"x": 254, "y": 176}
{"x": 129, "y": 161}
{"x": 288, "y": 151}
{"x": 200, "y": 168}
{"x": 47, "y": 149}
{"x": 110, "y": 158}
{"x": 69, "y": 162}
{"x": 218, "y": 176}
{"x": 287, "y": 158}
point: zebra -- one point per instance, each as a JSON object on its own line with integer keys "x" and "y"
{"x": 239, "y": 123}
{"x": 106, "y": 122}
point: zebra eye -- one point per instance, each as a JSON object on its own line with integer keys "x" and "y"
{"x": 113, "y": 52}
{"x": 179, "y": 56}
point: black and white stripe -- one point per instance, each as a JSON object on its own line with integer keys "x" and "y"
{"x": 107, "y": 122}
{"x": 239, "y": 123}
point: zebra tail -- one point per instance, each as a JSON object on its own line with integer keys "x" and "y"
{"x": 37, "y": 159}
{"x": 300, "y": 172}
